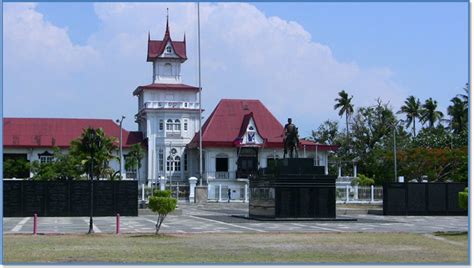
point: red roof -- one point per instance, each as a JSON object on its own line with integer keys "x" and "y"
{"x": 225, "y": 123}
{"x": 161, "y": 86}
{"x": 157, "y": 47}
{"x": 48, "y": 132}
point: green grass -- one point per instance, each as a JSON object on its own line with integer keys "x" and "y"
{"x": 234, "y": 248}
{"x": 454, "y": 236}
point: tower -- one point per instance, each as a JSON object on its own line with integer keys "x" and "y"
{"x": 168, "y": 111}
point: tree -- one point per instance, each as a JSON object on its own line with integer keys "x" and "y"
{"x": 95, "y": 149}
{"x": 327, "y": 133}
{"x": 134, "y": 159}
{"x": 16, "y": 168}
{"x": 458, "y": 111}
{"x": 62, "y": 167}
{"x": 162, "y": 203}
{"x": 429, "y": 113}
{"x": 412, "y": 111}
{"x": 343, "y": 103}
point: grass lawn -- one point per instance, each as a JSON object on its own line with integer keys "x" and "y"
{"x": 234, "y": 248}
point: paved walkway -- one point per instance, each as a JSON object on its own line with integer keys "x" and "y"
{"x": 218, "y": 218}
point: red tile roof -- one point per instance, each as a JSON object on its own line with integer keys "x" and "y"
{"x": 161, "y": 86}
{"x": 48, "y": 132}
{"x": 224, "y": 125}
{"x": 157, "y": 47}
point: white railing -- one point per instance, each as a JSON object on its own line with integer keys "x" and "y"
{"x": 219, "y": 175}
{"x": 171, "y": 104}
{"x": 359, "y": 194}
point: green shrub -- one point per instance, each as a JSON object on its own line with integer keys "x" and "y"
{"x": 363, "y": 181}
{"x": 162, "y": 203}
{"x": 463, "y": 199}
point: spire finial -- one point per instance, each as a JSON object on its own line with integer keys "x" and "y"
{"x": 148, "y": 35}
{"x": 167, "y": 19}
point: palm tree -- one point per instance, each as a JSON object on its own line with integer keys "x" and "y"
{"x": 94, "y": 149}
{"x": 135, "y": 158}
{"x": 346, "y": 107}
{"x": 458, "y": 112}
{"x": 412, "y": 111}
{"x": 465, "y": 97}
{"x": 429, "y": 113}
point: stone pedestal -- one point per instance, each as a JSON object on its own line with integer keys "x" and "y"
{"x": 192, "y": 186}
{"x": 200, "y": 194}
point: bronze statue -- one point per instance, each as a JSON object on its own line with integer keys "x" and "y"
{"x": 290, "y": 140}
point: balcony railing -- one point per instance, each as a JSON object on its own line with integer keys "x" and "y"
{"x": 171, "y": 104}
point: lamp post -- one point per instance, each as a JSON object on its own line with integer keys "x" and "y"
{"x": 395, "y": 124}
{"x": 121, "y": 152}
{"x": 94, "y": 145}
{"x": 200, "y": 90}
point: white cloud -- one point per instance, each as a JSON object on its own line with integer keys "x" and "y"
{"x": 245, "y": 54}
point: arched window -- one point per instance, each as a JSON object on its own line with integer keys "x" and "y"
{"x": 177, "y": 163}
{"x": 160, "y": 158}
{"x": 169, "y": 125}
{"x": 173, "y": 163}
{"x": 177, "y": 125}
{"x": 167, "y": 70}
{"x": 169, "y": 163}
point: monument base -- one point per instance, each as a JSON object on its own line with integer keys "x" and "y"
{"x": 293, "y": 189}
{"x": 200, "y": 195}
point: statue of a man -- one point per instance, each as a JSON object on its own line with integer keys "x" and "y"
{"x": 289, "y": 129}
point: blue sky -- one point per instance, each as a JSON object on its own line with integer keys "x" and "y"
{"x": 387, "y": 50}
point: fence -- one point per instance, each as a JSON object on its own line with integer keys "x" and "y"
{"x": 179, "y": 190}
{"x": 359, "y": 194}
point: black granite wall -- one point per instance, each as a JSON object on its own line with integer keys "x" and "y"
{"x": 69, "y": 198}
{"x": 422, "y": 199}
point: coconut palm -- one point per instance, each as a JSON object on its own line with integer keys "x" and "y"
{"x": 465, "y": 97}
{"x": 343, "y": 103}
{"x": 135, "y": 158}
{"x": 429, "y": 113}
{"x": 458, "y": 113}
{"x": 412, "y": 111}
{"x": 94, "y": 149}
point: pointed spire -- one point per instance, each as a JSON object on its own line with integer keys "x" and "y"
{"x": 184, "y": 38}
{"x": 167, "y": 19}
{"x": 148, "y": 35}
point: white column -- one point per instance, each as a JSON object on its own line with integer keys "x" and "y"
{"x": 371, "y": 193}
{"x": 220, "y": 193}
{"x": 246, "y": 193}
{"x": 339, "y": 171}
{"x": 356, "y": 192}
{"x": 143, "y": 192}
{"x": 355, "y": 169}
{"x": 192, "y": 187}
{"x": 347, "y": 193}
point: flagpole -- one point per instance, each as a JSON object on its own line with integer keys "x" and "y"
{"x": 200, "y": 89}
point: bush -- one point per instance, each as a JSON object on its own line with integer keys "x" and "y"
{"x": 363, "y": 181}
{"x": 162, "y": 203}
{"x": 463, "y": 199}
